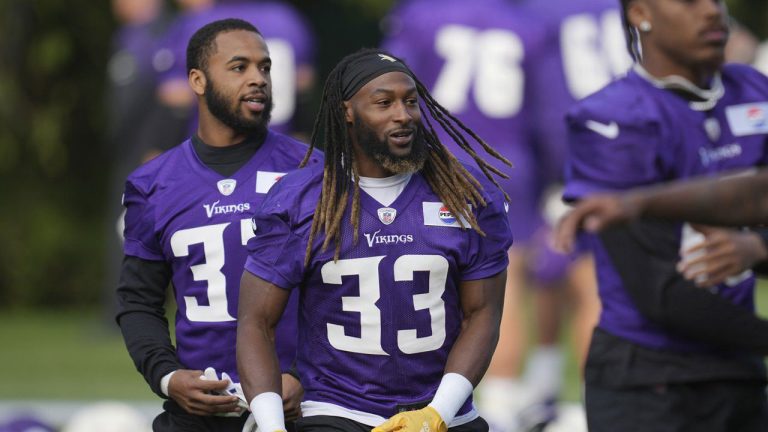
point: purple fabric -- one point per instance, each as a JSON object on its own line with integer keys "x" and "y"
{"x": 585, "y": 50}
{"x": 175, "y": 212}
{"x": 366, "y": 367}
{"x": 26, "y": 423}
{"x": 477, "y": 59}
{"x": 659, "y": 139}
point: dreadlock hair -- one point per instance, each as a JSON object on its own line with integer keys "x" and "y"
{"x": 630, "y": 32}
{"x": 455, "y": 186}
{"x": 202, "y": 44}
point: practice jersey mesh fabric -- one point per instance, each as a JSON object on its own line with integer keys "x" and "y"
{"x": 632, "y": 134}
{"x": 182, "y": 212}
{"x": 376, "y": 326}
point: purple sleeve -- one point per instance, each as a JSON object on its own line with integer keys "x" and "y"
{"x": 276, "y": 253}
{"x": 140, "y": 237}
{"x": 488, "y": 254}
{"x": 606, "y": 154}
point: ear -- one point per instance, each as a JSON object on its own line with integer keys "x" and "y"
{"x": 637, "y": 12}
{"x": 348, "y": 112}
{"x": 197, "y": 81}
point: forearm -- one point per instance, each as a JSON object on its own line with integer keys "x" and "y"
{"x": 260, "y": 307}
{"x": 141, "y": 317}
{"x": 257, "y": 361}
{"x": 472, "y": 352}
{"x": 741, "y": 200}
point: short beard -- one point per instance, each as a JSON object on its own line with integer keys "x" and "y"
{"x": 220, "y": 107}
{"x": 379, "y": 150}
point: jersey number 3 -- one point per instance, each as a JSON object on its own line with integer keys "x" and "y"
{"x": 212, "y": 239}
{"x": 367, "y": 270}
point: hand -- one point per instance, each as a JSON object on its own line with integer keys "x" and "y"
{"x": 194, "y": 394}
{"x": 423, "y": 420}
{"x": 722, "y": 254}
{"x": 592, "y": 214}
{"x": 293, "y": 393}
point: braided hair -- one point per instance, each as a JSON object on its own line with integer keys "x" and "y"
{"x": 455, "y": 186}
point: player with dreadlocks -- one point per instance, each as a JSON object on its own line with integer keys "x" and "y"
{"x": 399, "y": 319}
{"x": 667, "y": 355}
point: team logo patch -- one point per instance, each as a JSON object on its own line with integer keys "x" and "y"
{"x": 437, "y": 214}
{"x": 387, "y": 215}
{"x": 712, "y": 127}
{"x": 748, "y": 119}
{"x": 266, "y": 179}
{"x": 226, "y": 186}
{"x": 387, "y": 58}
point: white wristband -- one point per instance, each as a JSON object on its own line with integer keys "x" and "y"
{"x": 164, "y": 383}
{"x": 453, "y": 391}
{"x": 267, "y": 410}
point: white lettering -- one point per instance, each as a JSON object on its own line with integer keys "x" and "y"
{"x": 375, "y": 238}
{"x": 215, "y": 209}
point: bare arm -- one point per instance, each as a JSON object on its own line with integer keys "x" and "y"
{"x": 741, "y": 200}
{"x": 481, "y": 302}
{"x": 260, "y": 307}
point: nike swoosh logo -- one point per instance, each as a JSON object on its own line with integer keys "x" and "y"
{"x": 610, "y": 130}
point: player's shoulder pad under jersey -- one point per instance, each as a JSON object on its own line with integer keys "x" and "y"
{"x": 296, "y": 194}
{"x": 145, "y": 177}
{"x": 624, "y": 105}
{"x": 745, "y": 76}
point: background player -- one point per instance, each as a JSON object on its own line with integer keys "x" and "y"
{"x": 400, "y": 305}
{"x": 661, "y": 343}
{"x": 187, "y": 222}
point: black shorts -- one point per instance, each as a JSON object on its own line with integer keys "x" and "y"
{"x": 717, "y": 406}
{"x": 340, "y": 424}
{"x": 175, "y": 419}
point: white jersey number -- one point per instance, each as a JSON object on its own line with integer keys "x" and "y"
{"x": 367, "y": 270}
{"x": 283, "y": 80}
{"x": 593, "y": 51}
{"x": 487, "y": 62}
{"x": 212, "y": 239}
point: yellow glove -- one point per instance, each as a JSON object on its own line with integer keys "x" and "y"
{"x": 423, "y": 420}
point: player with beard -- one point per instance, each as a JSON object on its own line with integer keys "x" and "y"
{"x": 187, "y": 223}
{"x": 667, "y": 355}
{"x": 399, "y": 252}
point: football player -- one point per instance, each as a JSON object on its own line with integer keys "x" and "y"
{"x": 662, "y": 343}
{"x": 187, "y": 222}
{"x": 400, "y": 254}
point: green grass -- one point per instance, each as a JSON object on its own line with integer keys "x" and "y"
{"x": 65, "y": 355}
{"x": 76, "y": 355}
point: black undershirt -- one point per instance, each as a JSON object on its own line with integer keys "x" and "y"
{"x": 141, "y": 291}
{"x": 227, "y": 160}
{"x": 645, "y": 254}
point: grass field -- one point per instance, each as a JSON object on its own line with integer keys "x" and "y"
{"x": 77, "y": 355}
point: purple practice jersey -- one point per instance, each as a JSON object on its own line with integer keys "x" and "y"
{"x": 376, "y": 326}
{"x": 584, "y": 51}
{"x": 633, "y": 133}
{"x": 477, "y": 58}
{"x": 182, "y": 212}
{"x": 288, "y": 38}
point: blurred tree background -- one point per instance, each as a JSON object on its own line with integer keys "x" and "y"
{"x": 53, "y": 179}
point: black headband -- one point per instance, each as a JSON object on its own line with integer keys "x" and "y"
{"x": 363, "y": 70}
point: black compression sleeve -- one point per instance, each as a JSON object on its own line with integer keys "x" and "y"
{"x": 645, "y": 255}
{"x": 141, "y": 317}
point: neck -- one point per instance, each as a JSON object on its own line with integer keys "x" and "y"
{"x": 660, "y": 66}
